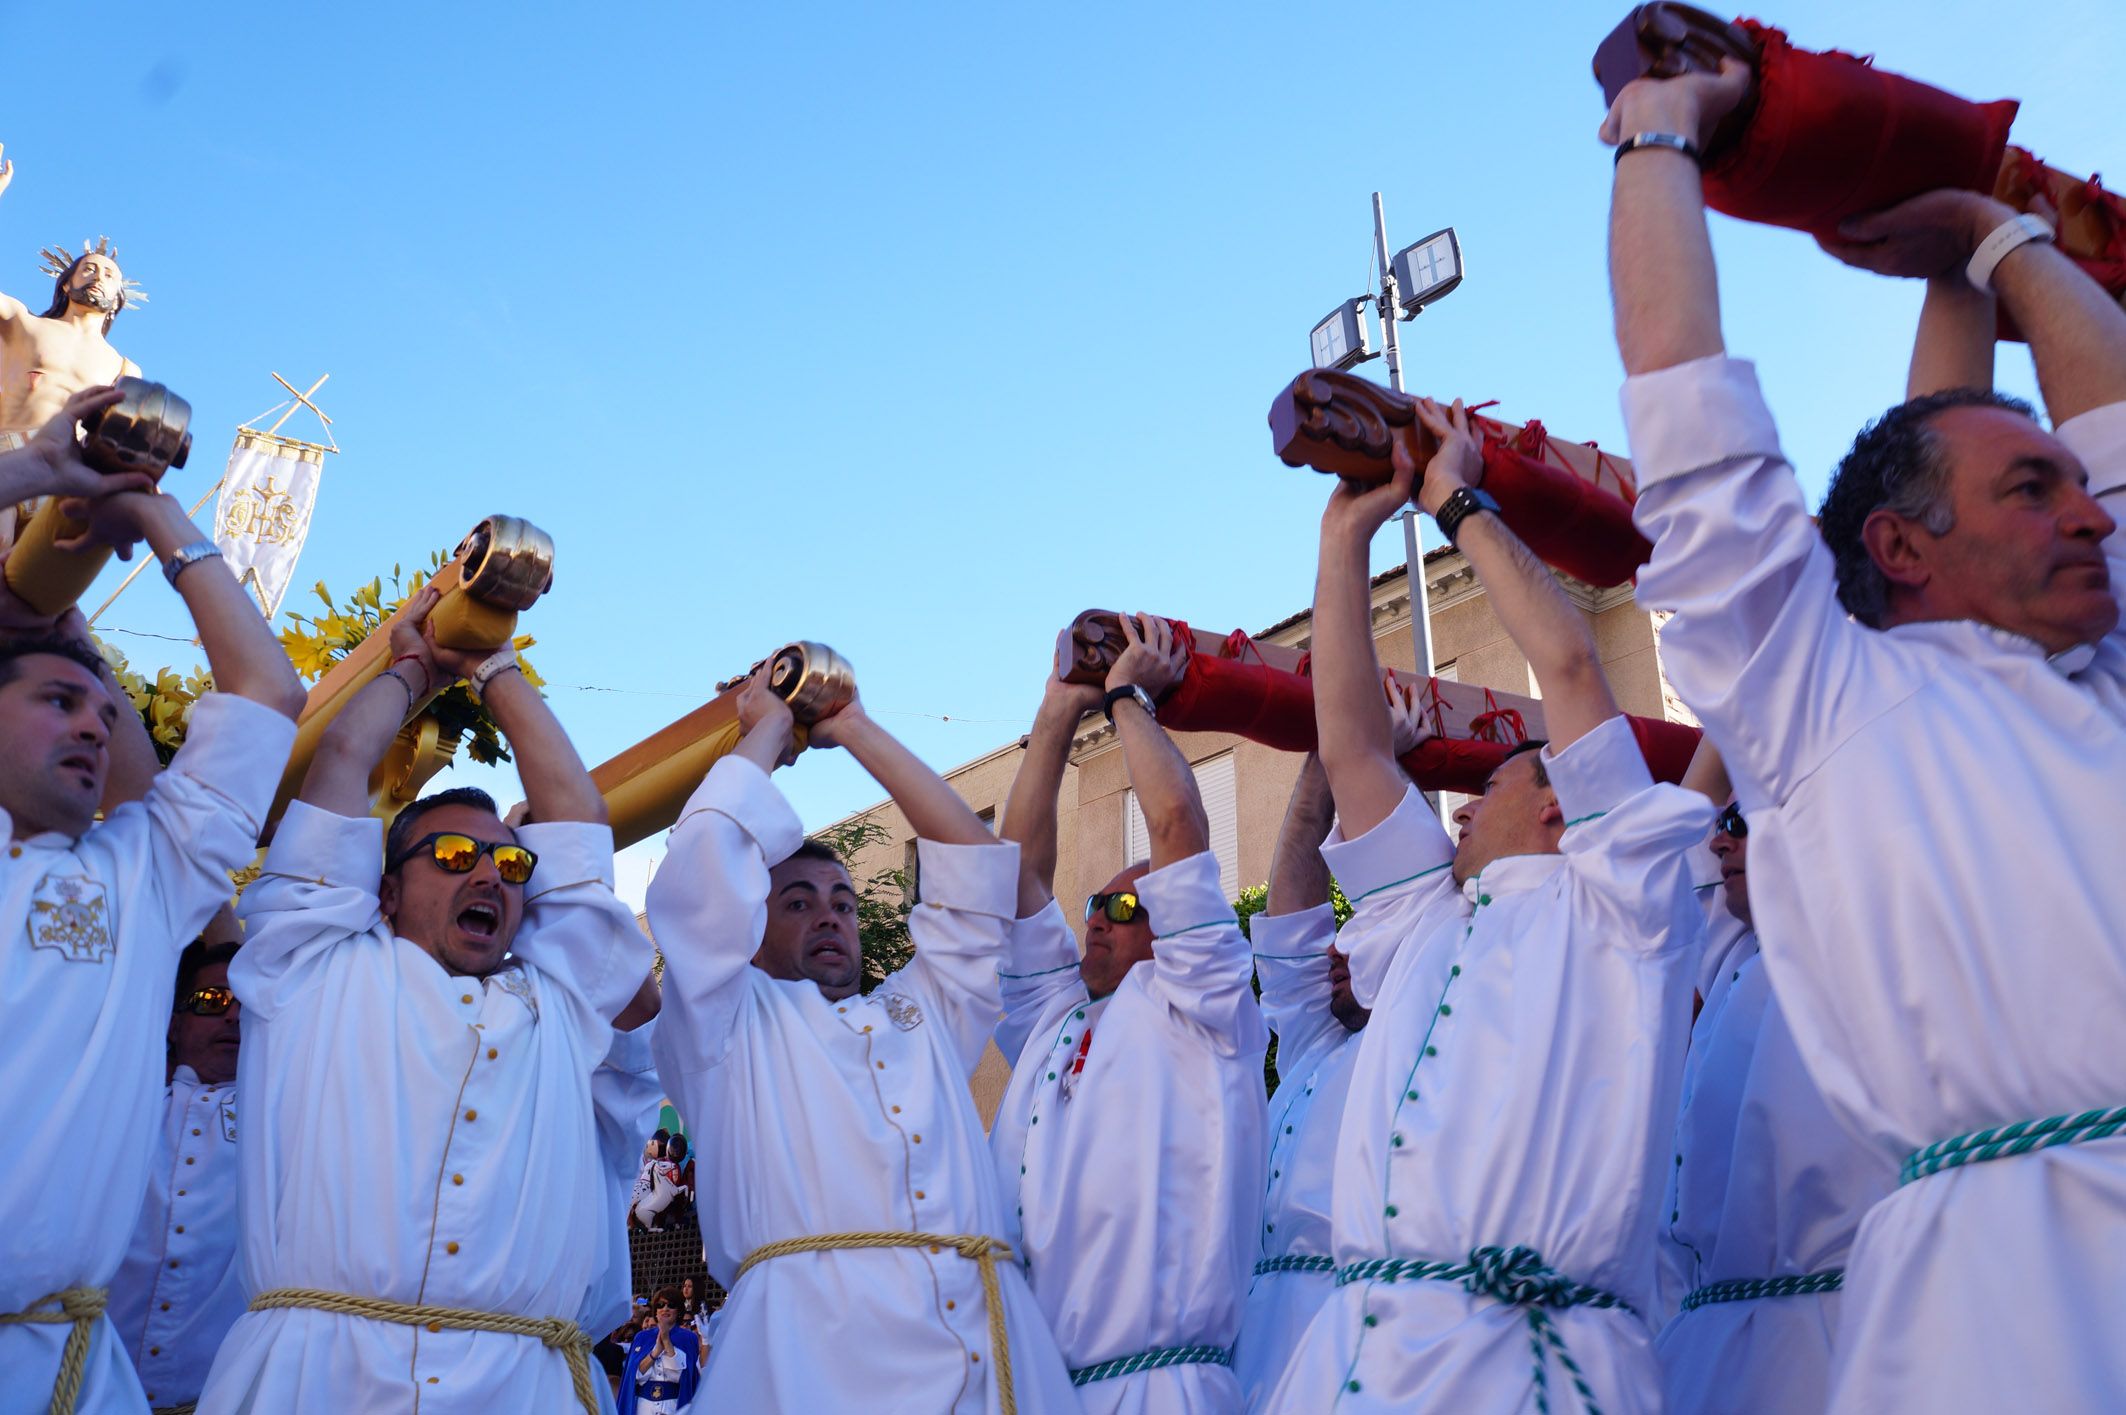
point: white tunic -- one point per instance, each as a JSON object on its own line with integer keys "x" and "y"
{"x": 814, "y": 1117}
{"x": 418, "y": 1137}
{"x": 94, "y": 927}
{"x": 1936, "y": 881}
{"x": 1134, "y": 1163}
{"x": 1516, "y": 1087}
{"x": 1766, "y": 1183}
{"x": 177, "y": 1294}
{"x": 627, "y": 1097}
{"x": 1315, "y": 1053}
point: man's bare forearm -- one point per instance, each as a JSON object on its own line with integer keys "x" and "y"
{"x": 934, "y": 810}
{"x": 557, "y": 787}
{"x": 1165, "y": 787}
{"x": 1299, "y": 877}
{"x": 1661, "y": 273}
{"x": 2077, "y": 333}
{"x": 1350, "y": 709}
{"x": 1030, "y": 810}
{"x": 348, "y": 753}
{"x": 1535, "y": 613}
{"x": 1954, "y": 346}
{"x": 247, "y": 660}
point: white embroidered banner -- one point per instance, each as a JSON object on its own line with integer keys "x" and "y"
{"x": 263, "y": 515}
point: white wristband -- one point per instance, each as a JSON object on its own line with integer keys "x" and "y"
{"x": 2015, "y": 231}
{"x": 503, "y": 658}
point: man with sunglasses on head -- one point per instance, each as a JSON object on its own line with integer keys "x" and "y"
{"x": 1921, "y": 696}
{"x": 848, "y": 1201}
{"x": 95, "y": 912}
{"x": 425, "y": 1197}
{"x": 178, "y": 1293}
{"x": 1767, "y": 1188}
{"x": 1496, "y": 1176}
{"x": 1131, "y": 1138}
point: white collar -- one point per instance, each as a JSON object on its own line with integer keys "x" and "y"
{"x": 1947, "y": 632}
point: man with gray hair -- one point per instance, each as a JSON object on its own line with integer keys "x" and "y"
{"x": 1965, "y": 1029}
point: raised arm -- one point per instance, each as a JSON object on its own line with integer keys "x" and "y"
{"x": 1662, "y": 279}
{"x": 10, "y": 307}
{"x": 935, "y": 811}
{"x": 247, "y": 660}
{"x": 1299, "y": 877}
{"x": 1030, "y": 810}
{"x": 1350, "y": 711}
{"x": 349, "y": 750}
{"x": 1166, "y": 789}
{"x": 2077, "y": 333}
{"x": 1530, "y": 604}
{"x": 557, "y": 787}
{"x": 1954, "y": 346}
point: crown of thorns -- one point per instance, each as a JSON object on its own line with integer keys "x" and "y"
{"x": 57, "y": 262}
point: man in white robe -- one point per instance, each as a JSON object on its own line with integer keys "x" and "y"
{"x": 1767, "y": 1190}
{"x": 1923, "y": 709}
{"x": 1131, "y": 1138}
{"x": 848, "y": 1201}
{"x": 178, "y": 1294}
{"x": 1499, "y": 1166}
{"x": 1307, "y": 1002}
{"x": 96, "y": 914}
{"x": 426, "y": 1209}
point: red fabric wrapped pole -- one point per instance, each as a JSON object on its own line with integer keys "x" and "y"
{"x": 2091, "y": 220}
{"x": 1834, "y": 137}
{"x": 1443, "y": 764}
{"x": 1251, "y": 700}
{"x": 1570, "y": 523}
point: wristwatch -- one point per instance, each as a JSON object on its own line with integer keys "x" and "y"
{"x": 186, "y": 556}
{"x": 1128, "y": 690}
{"x": 1465, "y": 502}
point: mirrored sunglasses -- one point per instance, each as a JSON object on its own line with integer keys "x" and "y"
{"x": 460, "y": 855}
{"x": 206, "y": 1002}
{"x": 1731, "y": 824}
{"x": 1121, "y": 906}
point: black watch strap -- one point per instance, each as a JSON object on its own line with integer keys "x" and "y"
{"x": 1128, "y": 690}
{"x": 1465, "y": 502}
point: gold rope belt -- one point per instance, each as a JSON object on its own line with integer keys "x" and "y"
{"x": 556, "y": 1332}
{"x": 977, "y": 1248}
{"x": 81, "y": 1306}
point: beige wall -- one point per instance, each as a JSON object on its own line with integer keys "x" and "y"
{"x": 1468, "y": 645}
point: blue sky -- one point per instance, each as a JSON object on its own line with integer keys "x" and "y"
{"x": 913, "y": 329}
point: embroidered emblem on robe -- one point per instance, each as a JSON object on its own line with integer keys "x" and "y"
{"x": 226, "y": 1109}
{"x": 68, "y": 915}
{"x": 512, "y": 981}
{"x": 903, "y": 1011}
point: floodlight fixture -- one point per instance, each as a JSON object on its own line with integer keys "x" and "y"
{"x": 1343, "y": 339}
{"x": 1427, "y": 271}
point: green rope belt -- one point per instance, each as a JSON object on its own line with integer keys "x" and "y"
{"x": 1748, "y": 1289}
{"x": 2019, "y": 1138}
{"x": 1152, "y": 1361}
{"x": 1517, "y": 1277}
{"x": 1296, "y": 1263}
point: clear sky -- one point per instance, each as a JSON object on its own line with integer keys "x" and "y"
{"x": 914, "y": 329}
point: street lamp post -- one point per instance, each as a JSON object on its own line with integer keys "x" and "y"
{"x": 1415, "y": 277}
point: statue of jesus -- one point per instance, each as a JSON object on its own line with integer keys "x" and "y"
{"x": 46, "y": 358}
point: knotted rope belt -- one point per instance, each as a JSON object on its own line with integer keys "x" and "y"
{"x": 2017, "y": 1139}
{"x": 1517, "y": 1277}
{"x": 1295, "y": 1263}
{"x": 1748, "y": 1289}
{"x": 80, "y": 1306}
{"x": 979, "y": 1249}
{"x": 556, "y": 1332}
{"x": 1153, "y": 1360}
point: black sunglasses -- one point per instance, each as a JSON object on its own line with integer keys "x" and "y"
{"x": 1731, "y": 824}
{"x": 206, "y": 1002}
{"x": 1121, "y": 906}
{"x": 460, "y": 854}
